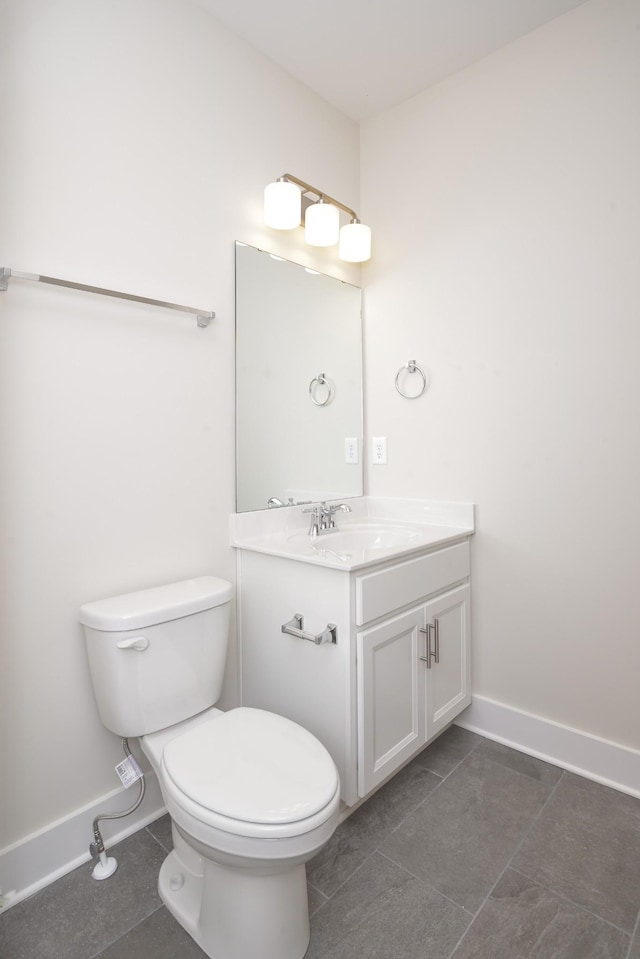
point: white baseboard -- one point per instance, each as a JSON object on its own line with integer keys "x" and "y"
{"x": 579, "y": 752}
{"x": 31, "y": 864}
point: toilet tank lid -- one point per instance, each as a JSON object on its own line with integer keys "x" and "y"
{"x": 147, "y": 607}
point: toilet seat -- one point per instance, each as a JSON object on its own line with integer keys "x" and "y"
{"x": 251, "y": 773}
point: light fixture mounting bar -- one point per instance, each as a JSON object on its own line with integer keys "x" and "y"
{"x": 307, "y": 188}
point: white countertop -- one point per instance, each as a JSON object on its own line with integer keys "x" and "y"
{"x": 377, "y": 529}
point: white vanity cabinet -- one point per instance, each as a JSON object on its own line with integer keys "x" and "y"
{"x": 413, "y": 679}
{"x": 399, "y": 671}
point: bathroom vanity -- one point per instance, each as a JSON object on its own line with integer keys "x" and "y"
{"x": 394, "y": 581}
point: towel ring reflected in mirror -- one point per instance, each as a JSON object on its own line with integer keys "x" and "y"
{"x": 412, "y": 367}
{"x": 320, "y": 380}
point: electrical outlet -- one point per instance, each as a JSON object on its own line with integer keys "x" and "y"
{"x": 351, "y": 449}
{"x": 379, "y": 450}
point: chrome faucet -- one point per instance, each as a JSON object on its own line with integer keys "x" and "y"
{"x": 327, "y": 514}
{"x": 322, "y": 517}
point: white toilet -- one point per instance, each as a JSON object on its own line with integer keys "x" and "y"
{"x": 252, "y": 796}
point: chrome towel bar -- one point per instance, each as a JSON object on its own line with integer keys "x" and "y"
{"x": 203, "y": 316}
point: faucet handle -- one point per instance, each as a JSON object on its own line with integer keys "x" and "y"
{"x": 316, "y": 519}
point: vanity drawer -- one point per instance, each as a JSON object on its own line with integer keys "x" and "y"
{"x": 387, "y": 589}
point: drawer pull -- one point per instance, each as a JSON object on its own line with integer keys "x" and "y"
{"x": 435, "y": 655}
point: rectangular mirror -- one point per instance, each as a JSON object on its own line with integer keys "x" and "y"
{"x": 298, "y": 383}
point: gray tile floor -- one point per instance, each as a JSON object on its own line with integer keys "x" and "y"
{"x": 473, "y": 851}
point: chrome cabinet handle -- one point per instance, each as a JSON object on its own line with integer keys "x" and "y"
{"x": 435, "y": 655}
{"x": 427, "y": 659}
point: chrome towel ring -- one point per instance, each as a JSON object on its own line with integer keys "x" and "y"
{"x": 412, "y": 367}
{"x": 320, "y": 380}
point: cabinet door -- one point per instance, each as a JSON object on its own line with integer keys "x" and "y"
{"x": 391, "y": 690}
{"x": 449, "y": 642}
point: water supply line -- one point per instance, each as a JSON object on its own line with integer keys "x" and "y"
{"x": 107, "y": 865}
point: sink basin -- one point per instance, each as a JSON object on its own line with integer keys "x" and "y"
{"x": 375, "y": 532}
{"x": 357, "y": 537}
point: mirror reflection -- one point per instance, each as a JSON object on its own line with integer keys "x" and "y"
{"x": 298, "y": 383}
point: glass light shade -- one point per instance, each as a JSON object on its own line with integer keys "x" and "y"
{"x": 282, "y": 205}
{"x": 321, "y": 224}
{"x": 355, "y": 242}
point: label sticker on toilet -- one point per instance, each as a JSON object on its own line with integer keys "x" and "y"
{"x": 128, "y": 771}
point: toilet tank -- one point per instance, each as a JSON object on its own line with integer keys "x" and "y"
{"x": 157, "y": 656}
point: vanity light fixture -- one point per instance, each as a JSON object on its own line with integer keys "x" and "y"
{"x": 322, "y": 224}
{"x": 283, "y": 204}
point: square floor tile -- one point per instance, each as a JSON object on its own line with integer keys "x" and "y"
{"x": 586, "y": 846}
{"x": 369, "y": 825}
{"x": 315, "y": 898}
{"x": 159, "y": 936}
{"x": 384, "y": 913}
{"x": 523, "y": 920}
{"x": 160, "y": 829}
{"x": 463, "y": 836}
{"x": 527, "y": 765}
{"x": 77, "y": 916}
{"x": 635, "y": 949}
{"x": 448, "y": 750}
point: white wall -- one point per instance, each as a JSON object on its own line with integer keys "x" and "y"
{"x": 505, "y": 205}
{"x": 137, "y": 137}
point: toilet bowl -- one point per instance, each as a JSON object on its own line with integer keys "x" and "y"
{"x": 252, "y": 796}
